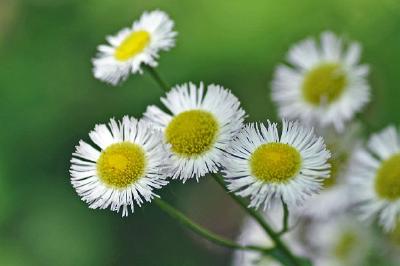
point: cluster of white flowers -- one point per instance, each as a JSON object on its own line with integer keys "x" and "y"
{"x": 201, "y": 130}
{"x": 325, "y": 87}
{"x": 203, "y": 133}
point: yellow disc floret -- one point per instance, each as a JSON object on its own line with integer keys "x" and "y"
{"x": 387, "y": 180}
{"x": 337, "y": 162}
{"x": 275, "y": 162}
{"x": 191, "y": 133}
{"x": 325, "y": 83}
{"x": 345, "y": 245}
{"x": 132, "y": 45}
{"x": 121, "y": 164}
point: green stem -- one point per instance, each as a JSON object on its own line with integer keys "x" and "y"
{"x": 280, "y": 251}
{"x": 157, "y": 78}
{"x": 285, "y": 220}
{"x": 286, "y": 255}
{"x": 183, "y": 219}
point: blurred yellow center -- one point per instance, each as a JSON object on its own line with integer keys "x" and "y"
{"x": 121, "y": 164}
{"x": 345, "y": 244}
{"x": 275, "y": 162}
{"x": 336, "y": 161}
{"x": 324, "y": 84}
{"x": 192, "y": 133}
{"x": 132, "y": 45}
{"x": 387, "y": 180}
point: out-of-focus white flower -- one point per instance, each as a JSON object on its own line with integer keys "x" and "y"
{"x": 375, "y": 178}
{"x": 324, "y": 85}
{"x": 338, "y": 242}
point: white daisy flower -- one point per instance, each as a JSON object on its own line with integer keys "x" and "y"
{"x": 267, "y": 165}
{"x": 335, "y": 197}
{"x": 134, "y": 46}
{"x": 132, "y": 161}
{"x": 338, "y": 242}
{"x": 324, "y": 85}
{"x": 375, "y": 175}
{"x": 252, "y": 234}
{"x": 199, "y": 129}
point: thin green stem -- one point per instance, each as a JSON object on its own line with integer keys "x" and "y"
{"x": 285, "y": 219}
{"x": 286, "y": 255}
{"x": 157, "y": 78}
{"x": 280, "y": 251}
{"x": 183, "y": 219}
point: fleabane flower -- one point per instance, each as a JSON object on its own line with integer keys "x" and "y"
{"x": 267, "y": 165}
{"x": 198, "y": 128}
{"x": 375, "y": 177}
{"x": 324, "y": 85}
{"x": 134, "y": 46}
{"x": 131, "y": 163}
{"x": 339, "y": 241}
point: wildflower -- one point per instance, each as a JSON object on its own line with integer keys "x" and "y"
{"x": 375, "y": 174}
{"x": 134, "y": 46}
{"x": 324, "y": 85}
{"x": 199, "y": 127}
{"x": 132, "y": 161}
{"x": 339, "y": 242}
{"x": 266, "y": 165}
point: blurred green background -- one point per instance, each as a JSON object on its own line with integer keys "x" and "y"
{"x": 50, "y": 100}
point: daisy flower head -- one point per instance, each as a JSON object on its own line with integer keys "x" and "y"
{"x": 324, "y": 84}
{"x": 267, "y": 165}
{"x": 339, "y": 241}
{"x": 131, "y": 47}
{"x": 131, "y": 163}
{"x": 198, "y": 128}
{"x": 375, "y": 178}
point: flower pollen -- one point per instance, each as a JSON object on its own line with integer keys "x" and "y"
{"x": 121, "y": 164}
{"x": 387, "y": 180}
{"x": 133, "y": 44}
{"x": 324, "y": 84}
{"x": 191, "y": 133}
{"x": 345, "y": 245}
{"x": 275, "y": 162}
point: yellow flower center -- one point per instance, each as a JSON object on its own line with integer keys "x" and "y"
{"x": 336, "y": 161}
{"x": 345, "y": 244}
{"x": 192, "y": 133}
{"x": 132, "y": 45}
{"x": 121, "y": 164}
{"x": 325, "y": 84}
{"x": 387, "y": 180}
{"x": 275, "y": 162}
